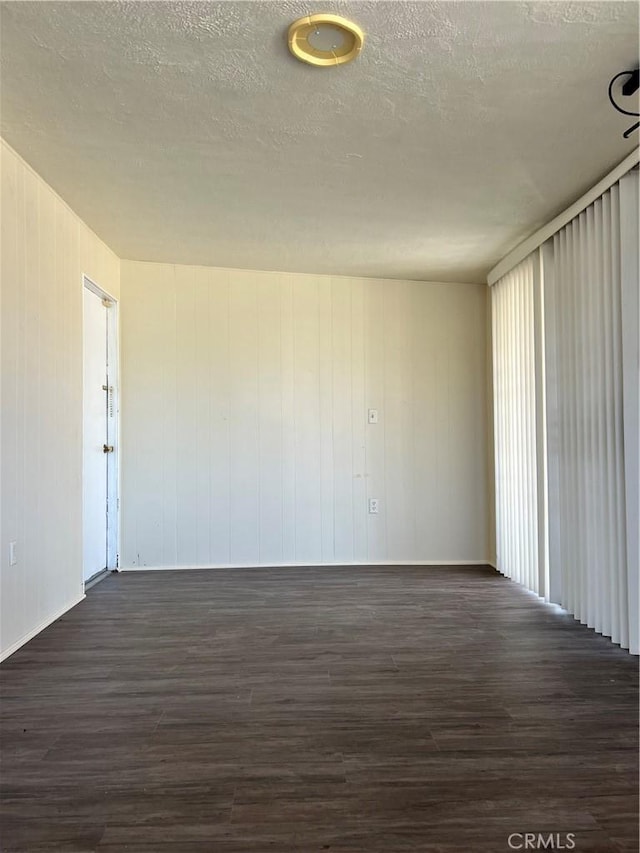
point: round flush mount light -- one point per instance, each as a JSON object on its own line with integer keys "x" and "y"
{"x": 325, "y": 40}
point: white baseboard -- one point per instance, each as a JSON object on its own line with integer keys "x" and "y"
{"x": 324, "y": 565}
{"x": 45, "y": 624}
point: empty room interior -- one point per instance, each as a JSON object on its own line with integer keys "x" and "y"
{"x": 320, "y": 427}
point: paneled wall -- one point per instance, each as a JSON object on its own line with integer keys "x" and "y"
{"x": 244, "y": 418}
{"x": 45, "y": 251}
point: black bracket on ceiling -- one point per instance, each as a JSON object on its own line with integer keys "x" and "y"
{"x": 629, "y": 87}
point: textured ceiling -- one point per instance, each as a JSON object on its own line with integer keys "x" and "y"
{"x": 185, "y": 132}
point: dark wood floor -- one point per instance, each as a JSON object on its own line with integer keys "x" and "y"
{"x": 378, "y": 709}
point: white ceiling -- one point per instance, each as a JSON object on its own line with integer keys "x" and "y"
{"x": 185, "y": 132}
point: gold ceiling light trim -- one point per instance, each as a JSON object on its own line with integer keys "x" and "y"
{"x": 325, "y": 40}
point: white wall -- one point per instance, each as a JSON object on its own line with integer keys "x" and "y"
{"x": 45, "y": 251}
{"x": 244, "y": 404}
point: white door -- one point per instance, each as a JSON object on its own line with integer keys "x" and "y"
{"x": 96, "y": 433}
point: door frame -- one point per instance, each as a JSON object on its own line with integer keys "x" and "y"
{"x": 113, "y": 424}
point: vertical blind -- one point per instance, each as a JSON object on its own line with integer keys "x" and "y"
{"x": 514, "y": 378}
{"x": 583, "y": 306}
{"x": 566, "y": 410}
{"x": 630, "y": 282}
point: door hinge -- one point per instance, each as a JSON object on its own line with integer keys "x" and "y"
{"x": 109, "y": 390}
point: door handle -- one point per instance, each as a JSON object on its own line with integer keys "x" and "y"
{"x": 107, "y": 448}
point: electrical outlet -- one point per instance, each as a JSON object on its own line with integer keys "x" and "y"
{"x": 13, "y": 557}
{"x": 374, "y": 504}
{"x": 372, "y": 416}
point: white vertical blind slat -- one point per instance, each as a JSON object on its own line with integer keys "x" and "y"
{"x": 597, "y": 530}
{"x": 591, "y": 249}
{"x": 621, "y": 613}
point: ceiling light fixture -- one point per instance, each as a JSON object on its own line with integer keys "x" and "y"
{"x": 325, "y": 40}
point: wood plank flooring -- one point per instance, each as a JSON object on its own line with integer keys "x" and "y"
{"x": 358, "y": 709}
